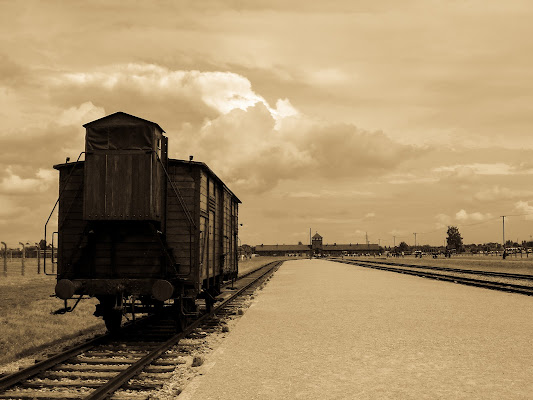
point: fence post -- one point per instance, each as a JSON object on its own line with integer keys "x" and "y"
{"x": 23, "y": 259}
{"x": 5, "y": 258}
{"x": 38, "y": 248}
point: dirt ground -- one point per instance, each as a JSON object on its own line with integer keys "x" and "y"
{"x": 323, "y": 330}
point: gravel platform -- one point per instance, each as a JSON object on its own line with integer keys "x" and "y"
{"x": 324, "y": 330}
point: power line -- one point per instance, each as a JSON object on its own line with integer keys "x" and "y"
{"x": 458, "y": 225}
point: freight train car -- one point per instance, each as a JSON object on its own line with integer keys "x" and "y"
{"x": 137, "y": 229}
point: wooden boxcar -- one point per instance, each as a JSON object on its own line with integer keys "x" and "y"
{"x": 135, "y": 227}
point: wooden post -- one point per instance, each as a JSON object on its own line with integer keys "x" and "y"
{"x": 38, "y": 247}
{"x": 5, "y": 258}
{"x": 23, "y": 259}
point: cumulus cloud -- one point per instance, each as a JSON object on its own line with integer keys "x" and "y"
{"x": 29, "y": 149}
{"x": 28, "y": 184}
{"x": 330, "y": 194}
{"x": 254, "y": 152}
{"x": 443, "y": 220}
{"x": 77, "y": 116}
{"x": 14, "y": 184}
{"x": 410, "y": 178}
{"x": 461, "y": 216}
{"x": 467, "y": 170}
{"x": 464, "y": 216}
{"x": 215, "y": 116}
{"x": 222, "y": 91}
{"x": 501, "y": 193}
{"x": 247, "y": 141}
{"x": 523, "y": 207}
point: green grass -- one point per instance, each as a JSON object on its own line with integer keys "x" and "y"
{"x": 26, "y": 322}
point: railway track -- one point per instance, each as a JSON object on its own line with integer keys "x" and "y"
{"x": 511, "y": 283}
{"x": 132, "y": 364}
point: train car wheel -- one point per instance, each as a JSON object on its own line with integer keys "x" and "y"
{"x": 113, "y": 320}
{"x": 110, "y": 309}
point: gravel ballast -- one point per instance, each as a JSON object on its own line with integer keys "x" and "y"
{"x": 324, "y": 330}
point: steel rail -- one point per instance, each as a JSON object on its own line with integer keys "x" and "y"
{"x": 506, "y": 287}
{"x": 115, "y": 383}
{"x": 461, "y": 270}
{"x": 10, "y": 380}
{"x": 13, "y": 379}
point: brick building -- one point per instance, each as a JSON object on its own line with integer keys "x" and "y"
{"x": 316, "y": 248}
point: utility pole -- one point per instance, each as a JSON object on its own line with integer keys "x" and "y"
{"x": 5, "y": 258}
{"x": 38, "y": 247}
{"x": 415, "y": 238}
{"x": 503, "y": 231}
{"x": 310, "y": 245}
{"x": 394, "y": 241}
{"x": 23, "y": 258}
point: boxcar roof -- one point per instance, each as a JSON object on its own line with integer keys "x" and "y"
{"x": 172, "y": 161}
{"x": 206, "y": 168}
{"x": 69, "y": 164}
{"x": 121, "y": 114}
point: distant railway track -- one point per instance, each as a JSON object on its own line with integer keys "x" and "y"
{"x": 512, "y": 283}
{"x": 135, "y": 362}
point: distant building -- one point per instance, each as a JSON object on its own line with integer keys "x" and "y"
{"x": 317, "y": 248}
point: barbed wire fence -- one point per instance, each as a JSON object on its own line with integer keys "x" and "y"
{"x": 26, "y": 260}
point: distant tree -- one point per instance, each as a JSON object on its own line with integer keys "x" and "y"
{"x": 403, "y": 246}
{"x": 510, "y": 243}
{"x": 491, "y": 246}
{"x": 473, "y": 248}
{"x": 247, "y": 249}
{"x": 426, "y": 248}
{"x": 454, "y": 239}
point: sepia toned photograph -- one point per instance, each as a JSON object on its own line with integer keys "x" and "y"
{"x": 236, "y": 200}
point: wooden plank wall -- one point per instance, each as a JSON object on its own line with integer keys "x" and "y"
{"x": 178, "y": 228}
{"x": 124, "y": 186}
{"x": 219, "y": 234}
{"x": 214, "y": 263}
{"x": 70, "y": 216}
{"x": 126, "y": 250}
{"x": 113, "y": 249}
{"x": 227, "y": 231}
{"x": 204, "y": 230}
{"x": 94, "y": 203}
{"x": 235, "y": 234}
{"x": 130, "y": 249}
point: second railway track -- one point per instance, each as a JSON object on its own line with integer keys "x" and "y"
{"x": 512, "y": 283}
{"x": 130, "y": 365}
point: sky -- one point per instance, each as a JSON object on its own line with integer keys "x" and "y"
{"x": 349, "y": 118}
